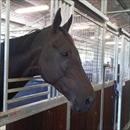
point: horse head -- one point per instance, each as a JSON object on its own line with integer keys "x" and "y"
{"x": 60, "y": 65}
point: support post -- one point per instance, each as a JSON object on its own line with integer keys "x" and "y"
{"x": 0, "y": 18}
{"x": 115, "y": 78}
{"x": 6, "y": 56}
{"x": 104, "y": 10}
{"x": 68, "y": 116}
{"x": 120, "y": 85}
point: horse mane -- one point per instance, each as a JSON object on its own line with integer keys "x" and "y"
{"x": 22, "y": 43}
{"x": 18, "y": 45}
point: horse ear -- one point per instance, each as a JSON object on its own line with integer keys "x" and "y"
{"x": 67, "y": 25}
{"x": 57, "y": 20}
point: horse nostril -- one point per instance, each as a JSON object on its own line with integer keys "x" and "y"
{"x": 87, "y": 101}
{"x": 90, "y": 100}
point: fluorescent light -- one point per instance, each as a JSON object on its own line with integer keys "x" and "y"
{"x": 113, "y": 43}
{"x": 110, "y": 43}
{"x": 107, "y": 36}
{"x": 83, "y": 26}
{"x": 92, "y": 37}
{"x": 80, "y": 26}
{"x": 32, "y": 9}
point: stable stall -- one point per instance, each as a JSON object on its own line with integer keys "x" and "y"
{"x": 104, "y": 51}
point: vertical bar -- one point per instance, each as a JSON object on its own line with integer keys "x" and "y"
{"x": 120, "y": 86}
{"x": 64, "y": 13}
{"x": 70, "y": 8}
{"x": 6, "y": 55}
{"x": 52, "y": 11}
{"x": 104, "y": 10}
{"x": 56, "y": 93}
{"x": 49, "y": 92}
{"x": 0, "y": 18}
{"x": 60, "y": 3}
{"x": 56, "y": 6}
{"x": 104, "y": 6}
{"x": 129, "y": 61}
{"x": 115, "y": 78}
{"x": 68, "y": 116}
{"x": 103, "y": 79}
{"x": 116, "y": 57}
{"x": 53, "y": 92}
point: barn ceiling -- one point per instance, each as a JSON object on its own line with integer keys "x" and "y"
{"x": 120, "y": 19}
{"x": 25, "y": 22}
{"x": 41, "y": 19}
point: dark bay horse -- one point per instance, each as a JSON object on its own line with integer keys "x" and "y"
{"x": 51, "y": 53}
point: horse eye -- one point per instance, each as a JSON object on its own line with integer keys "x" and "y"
{"x": 65, "y": 53}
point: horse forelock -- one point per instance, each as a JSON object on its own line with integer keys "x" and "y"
{"x": 67, "y": 35}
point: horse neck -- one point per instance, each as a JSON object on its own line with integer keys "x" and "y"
{"x": 23, "y": 57}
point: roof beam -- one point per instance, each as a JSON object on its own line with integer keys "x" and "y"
{"x": 123, "y": 5}
{"x": 118, "y": 11}
{"x": 13, "y": 22}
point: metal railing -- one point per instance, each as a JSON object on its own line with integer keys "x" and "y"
{"x": 50, "y": 93}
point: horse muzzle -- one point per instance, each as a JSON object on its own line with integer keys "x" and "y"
{"x": 84, "y": 105}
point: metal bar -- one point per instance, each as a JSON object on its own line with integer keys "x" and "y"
{"x": 115, "y": 114}
{"x": 49, "y": 90}
{"x": 104, "y": 10}
{"x": 53, "y": 92}
{"x": 27, "y": 97}
{"x": 102, "y": 103}
{"x": 116, "y": 57}
{"x": 56, "y": 6}
{"x": 129, "y": 61}
{"x": 60, "y": 3}
{"x": 98, "y": 87}
{"x": 125, "y": 33}
{"x": 27, "y": 88}
{"x": 113, "y": 32}
{"x": 23, "y": 79}
{"x": 19, "y": 79}
{"x": 64, "y": 13}
{"x": 52, "y": 11}
{"x": 118, "y": 11}
{"x": 6, "y": 56}
{"x": 85, "y": 16}
{"x": 120, "y": 86}
{"x": 111, "y": 26}
{"x": 93, "y": 9}
{"x": 0, "y": 19}
{"x": 104, "y": 6}
{"x": 57, "y": 93}
{"x": 68, "y": 116}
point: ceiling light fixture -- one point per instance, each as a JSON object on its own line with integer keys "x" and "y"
{"x": 80, "y": 26}
{"x": 107, "y": 36}
{"x": 92, "y": 37}
{"x": 113, "y": 43}
{"x": 110, "y": 43}
{"x": 32, "y": 9}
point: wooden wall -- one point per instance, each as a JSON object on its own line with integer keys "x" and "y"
{"x": 109, "y": 109}
{"x": 52, "y": 119}
{"x": 90, "y": 120}
{"x": 55, "y": 119}
{"x": 125, "y": 104}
